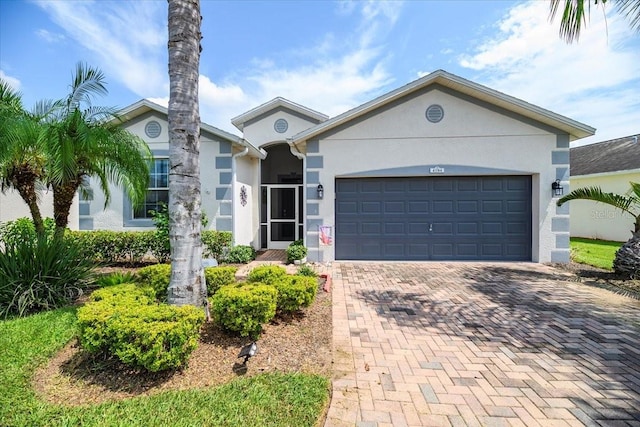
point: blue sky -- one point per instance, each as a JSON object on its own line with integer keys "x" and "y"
{"x": 329, "y": 56}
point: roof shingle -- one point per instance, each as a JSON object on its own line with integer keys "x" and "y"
{"x": 607, "y": 156}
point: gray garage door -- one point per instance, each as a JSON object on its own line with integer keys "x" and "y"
{"x": 434, "y": 218}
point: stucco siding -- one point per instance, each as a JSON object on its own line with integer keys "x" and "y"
{"x": 262, "y": 132}
{"x": 117, "y": 216}
{"x": 596, "y": 220}
{"x": 13, "y": 207}
{"x": 468, "y": 136}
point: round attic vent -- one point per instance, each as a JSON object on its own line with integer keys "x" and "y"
{"x": 434, "y": 113}
{"x": 281, "y": 125}
{"x": 152, "y": 129}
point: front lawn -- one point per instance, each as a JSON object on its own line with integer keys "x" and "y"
{"x": 598, "y": 253}
{"x": 267, "y": 399}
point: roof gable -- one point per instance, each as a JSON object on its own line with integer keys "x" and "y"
{"x": 144, "y": 106}
{"x": 441, "y": 78}
{"x": 614, "y": 155}
{"x": 275, "y": 105}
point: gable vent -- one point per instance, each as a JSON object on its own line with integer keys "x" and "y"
{"x": 281, "y": 125}
{"x": 434, "y": 113}
{"x": 152, "y": 129}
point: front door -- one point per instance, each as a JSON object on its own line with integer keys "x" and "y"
{"x": 284, "y": 217}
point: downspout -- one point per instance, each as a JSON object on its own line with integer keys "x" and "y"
{"x": 233, "y": 190}
{"x": 296, "y": 152}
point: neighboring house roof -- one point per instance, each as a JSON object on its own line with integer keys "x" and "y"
{"x": 575, "y": 129}
{"x": 144, "y": 105}
{"x": 274, "y": 104}
{"x": 614, "y": 155}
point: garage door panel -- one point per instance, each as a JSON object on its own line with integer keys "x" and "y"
{"x": 418, "y": 228}
{"x": 469, "y": 228}
{"x": 492, "y": 184}
{"x": 371, "y": 207}
{"x": 441, "y": 228}
{"x": 442, "y": 206}
{"x": 437, "y": 218}
{"x": 517, "y": 206}
{"x": 467, "y": 207}
{"x": 492, "y": 206}
{"x": 370, "y": 228}
{"x": 394, "y": 207}
{"x": 492, "y": 228}
{"x": 417, "y": 207}
{"x": 445, "y": 185}
{"x": 397, "y": 228}
{"x": 347, "y": 208}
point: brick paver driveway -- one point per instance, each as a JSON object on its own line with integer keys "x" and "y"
{"x": 472, "y": 344}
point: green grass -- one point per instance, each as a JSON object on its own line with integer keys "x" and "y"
{"x": 598, "y": 253}
{"x": 268, "y": 399}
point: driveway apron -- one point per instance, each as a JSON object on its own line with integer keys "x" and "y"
{"x": 480, "y": 344}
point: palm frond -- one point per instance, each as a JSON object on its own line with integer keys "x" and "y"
{"x": 624, "y": 203}
{"x": 87, "y": 83}
{"x": 630, "y": 9}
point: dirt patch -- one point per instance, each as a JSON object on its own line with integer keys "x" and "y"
{"x": 297, "y": 343}
{"x": 604, "y": 279}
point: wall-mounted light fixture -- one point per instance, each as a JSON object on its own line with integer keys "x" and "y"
{"x": 320, "y": 191}
{"x": 556, "y": 188}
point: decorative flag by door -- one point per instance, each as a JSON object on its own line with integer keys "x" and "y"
{"x": 326, "y": 235}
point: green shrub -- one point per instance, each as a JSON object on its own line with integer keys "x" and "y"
{"x": 157, "y": 277}
{"x": 42, "y": 274}
{"x": 306, "y": 270}
{"x": 115, "y": 278}
{"x": 217, "y": 277}
{"x": 267, "y": 274}
{"x": 124, "y": 321}
{"x": 21, "y": 229}
{"x": 240, "y": 254}
{"x": 244, "y": 308}
{"x": 214, "y": 243}
{"x": 113, "y": 247}
{"x": 295, "y": 292}
{"x": 295, "y": 252}
{"x": 124, "y": 291}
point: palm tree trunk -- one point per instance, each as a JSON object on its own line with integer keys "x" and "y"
{"x": 63, "y": 195}
{"x": 627, "y": 259}
{"x": 24, "y": 182}
{"x": 187, "y": 285}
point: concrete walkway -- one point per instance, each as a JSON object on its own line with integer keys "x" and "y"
{"x": 477, "y": 344}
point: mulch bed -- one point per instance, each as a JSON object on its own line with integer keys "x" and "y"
{"x": 300, "y": 342}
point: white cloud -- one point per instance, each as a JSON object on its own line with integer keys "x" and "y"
{"x": 336, "y": 79}
{"x": 127, "y": 38}
{"x": 50, "y": 37}
{"x": 594, "y": 81}
{"x": 13, "y": 82}
{"x": 328, "y": 76}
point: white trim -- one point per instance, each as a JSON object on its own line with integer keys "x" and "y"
{"x": 240, "y": 120}
{"x": 601, "y": 174}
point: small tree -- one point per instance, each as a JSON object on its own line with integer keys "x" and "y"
{"x": 627, "y": 260}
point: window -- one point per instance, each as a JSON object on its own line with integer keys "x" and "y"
{"x": 158, "y": 192}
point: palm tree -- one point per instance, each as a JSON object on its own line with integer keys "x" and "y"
{"x": 187, "y": 285}
{"x": 21, "y": 156}
{"x": 575, "y": 13}
{"x": 83, "y": 141}
{"x": 627, "y": 259}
